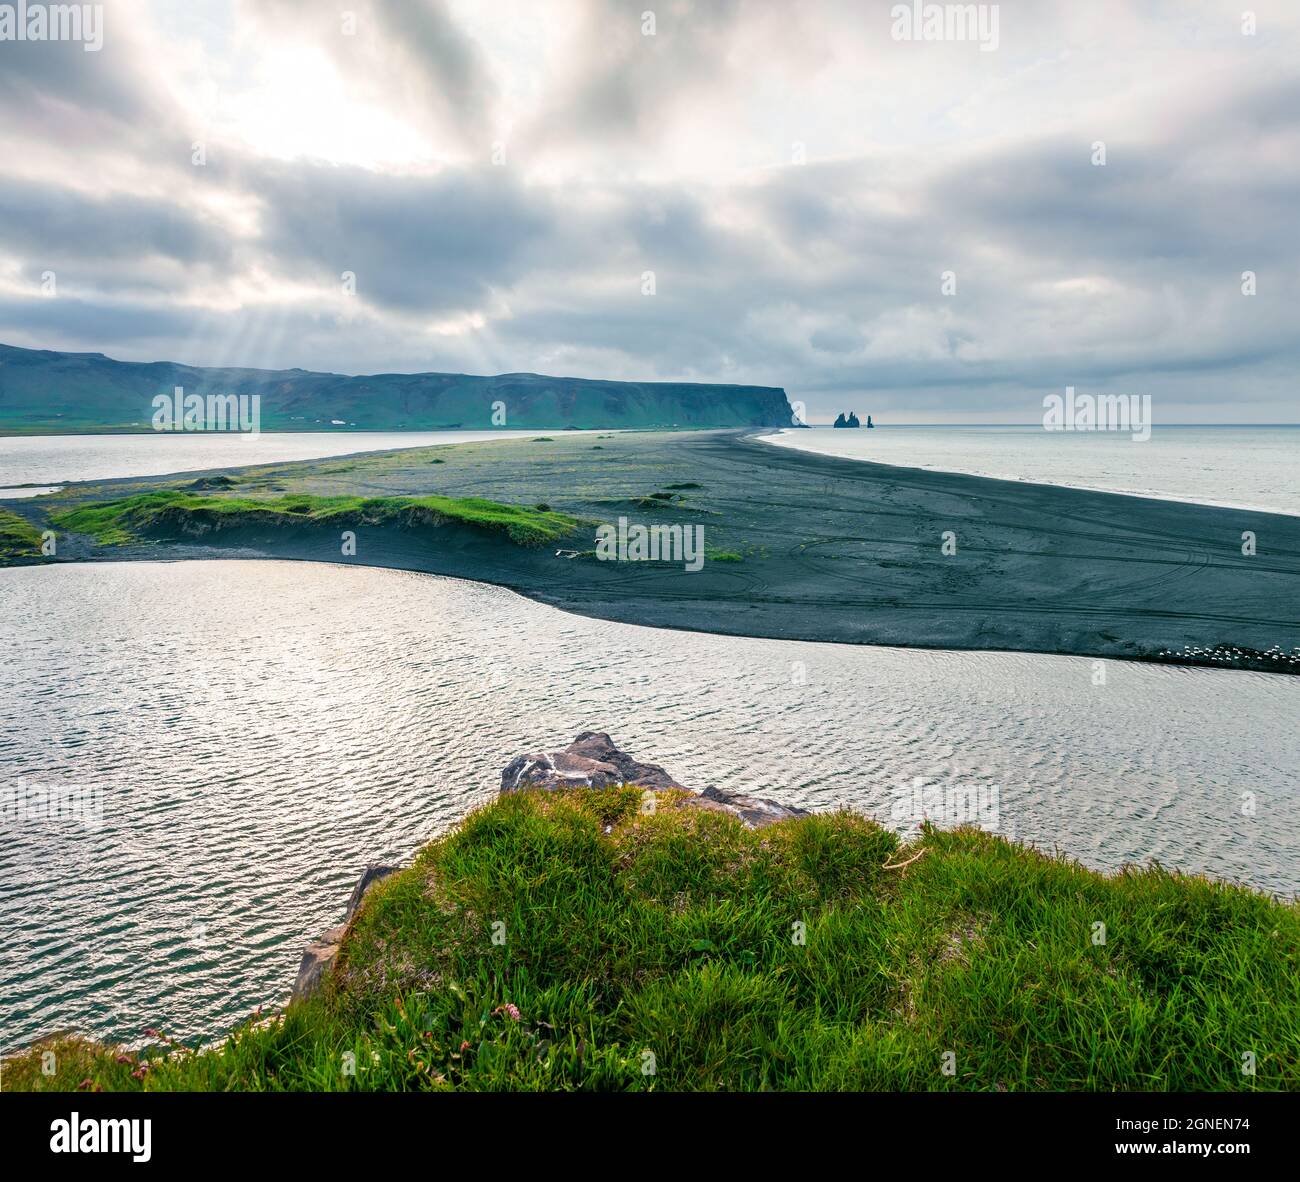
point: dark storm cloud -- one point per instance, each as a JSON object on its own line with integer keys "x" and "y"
{"x": 1158, "y": 206}
{"x": 420, "y": 244}
{"x": 53, "y": 224}
{"x": 67, "y": 322}
{"x": 431, "y": 243}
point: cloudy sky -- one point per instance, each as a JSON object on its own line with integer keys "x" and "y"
{"x": 499, "y": 175}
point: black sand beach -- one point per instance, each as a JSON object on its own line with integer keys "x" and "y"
{"x": 830, "y": 549}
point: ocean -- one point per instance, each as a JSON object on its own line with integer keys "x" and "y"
{"x": 1256, "y": 467}
{"x": 52, "y": 460}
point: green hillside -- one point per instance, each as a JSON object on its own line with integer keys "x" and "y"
{"x": 42, "y": 391}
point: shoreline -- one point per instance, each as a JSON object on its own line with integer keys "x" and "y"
{"x": 685, "y": 628}
{"x": 825, "y": 548}
{"x": 507, "y": 435}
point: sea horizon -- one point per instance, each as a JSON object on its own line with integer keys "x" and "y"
{"x": 1156, "y": 468}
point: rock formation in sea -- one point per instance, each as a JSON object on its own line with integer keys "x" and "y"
{"x": 851, "y": 421}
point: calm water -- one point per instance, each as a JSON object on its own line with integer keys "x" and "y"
{"x": 54, "y": 459}
{"x": 1247, "y": 467}
{"x": 262, "y": 730}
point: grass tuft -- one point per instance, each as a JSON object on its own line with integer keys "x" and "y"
{"x": 19, "y": 538}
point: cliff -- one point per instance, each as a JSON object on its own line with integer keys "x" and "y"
{"x": 48, "y": 391}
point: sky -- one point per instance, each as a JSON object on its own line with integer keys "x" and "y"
{"x": 729, "y": 191}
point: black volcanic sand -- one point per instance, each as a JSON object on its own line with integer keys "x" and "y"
{"x": 833, "y": 549}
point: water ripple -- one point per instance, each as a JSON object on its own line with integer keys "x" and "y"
{"x": 261, "y": 731}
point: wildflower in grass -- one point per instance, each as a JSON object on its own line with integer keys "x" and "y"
{"x": 509, "y": 1009}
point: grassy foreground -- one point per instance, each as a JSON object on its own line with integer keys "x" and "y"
{"x": 170, "y": 511}
{"x": 569, "y": 940}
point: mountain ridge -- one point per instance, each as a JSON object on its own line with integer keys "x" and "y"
{"x": 49, "y": 390}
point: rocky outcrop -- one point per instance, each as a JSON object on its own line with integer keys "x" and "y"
{"x": 593, "y": 761}
{"x": 369, "y": 876}
{"x": 590, "y": 761}
{"x": 754, "y": 811}
{"x": 319, "y": 956}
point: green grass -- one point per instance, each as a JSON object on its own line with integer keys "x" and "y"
{"x": 18, "y": 537}
{"x": 171, "y": 511}
{"x": 722, "y": 555}
{"x": 675, "y": 935}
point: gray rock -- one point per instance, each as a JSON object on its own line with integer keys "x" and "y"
{"x": 590, "y": 761}
{"x": 593, "y": 761}
{"x": 754, "y": 811}
{"x": 369, "y": 876}
{"x": 319, "y": 956}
